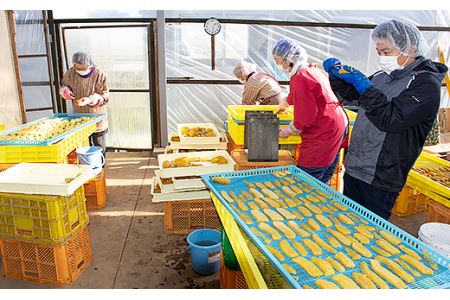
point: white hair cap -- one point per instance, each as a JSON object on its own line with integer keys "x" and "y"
{"x": 244, "y": 68}
{"x": 402, "y": 36}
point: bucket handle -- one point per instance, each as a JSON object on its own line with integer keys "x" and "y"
{"x": 82, "y": 160}
{"x": 103, "y": 159}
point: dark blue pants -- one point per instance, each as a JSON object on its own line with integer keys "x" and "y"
{"x": 369, "y": 196}
{"x": 323, "y": 174}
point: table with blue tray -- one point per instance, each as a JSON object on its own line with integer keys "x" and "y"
{"x": 258, "y": 263}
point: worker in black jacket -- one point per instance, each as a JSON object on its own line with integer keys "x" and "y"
{"x": 398, "y": 106}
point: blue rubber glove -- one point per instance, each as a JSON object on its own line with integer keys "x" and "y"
{"x": 351, "y": 76}
{"x": 329, "y": 63}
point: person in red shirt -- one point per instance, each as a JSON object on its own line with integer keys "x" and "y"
{"x": 318, "y": 117}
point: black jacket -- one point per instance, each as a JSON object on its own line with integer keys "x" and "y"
{"x": 396, "y": 116}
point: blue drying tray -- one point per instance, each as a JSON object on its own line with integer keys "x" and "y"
{"x": 440, "y": 279}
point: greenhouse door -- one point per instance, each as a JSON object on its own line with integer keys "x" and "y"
{"x": 122, "y": 52}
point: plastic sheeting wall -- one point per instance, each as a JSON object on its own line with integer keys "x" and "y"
{"x": 188, "y": 52}
{"x": 10, "y": 114}
{"x": 36, "y": 87}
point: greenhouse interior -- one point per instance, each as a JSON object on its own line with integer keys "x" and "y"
{"x": 225, "y": 149}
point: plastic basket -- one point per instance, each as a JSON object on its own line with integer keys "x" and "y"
{"x": 95, "y": 192}
{"x": 230, "y": 279}
{"x": 427, "y": 190}
{"x": 60, "y": 265}
{"x": 440, "y": 279}
{"x": 237, "y": 112}
{"x": 51, "y": 153}
{"x": 45, "y": 219}
{"x": 228, "y": 257}
{"x": 232, "y": 145}
{"x": 410, "y": 202}
{"x": 239, "y": 156}
{"x": 67, "y": 116}
{"x": 426, "y": 160}
{"x": 236, "y": 132}
{"x": 182, "y": 217}
{"x": 438, "y": 212}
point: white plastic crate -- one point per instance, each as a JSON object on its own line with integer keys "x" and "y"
{"x": 199, "y": 140}
{"x": 222, "y": 145}
{"x": 192, "y": 195}
{"x": 206, "y": 167}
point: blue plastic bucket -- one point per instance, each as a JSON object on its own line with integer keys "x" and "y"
{"x": 204, "y": 246}
{"x": 92, "y": 156}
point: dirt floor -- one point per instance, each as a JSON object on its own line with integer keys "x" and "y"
{"x": 129, "y": 246}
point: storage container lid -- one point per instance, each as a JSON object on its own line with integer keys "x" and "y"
{"x": 44, "y": 178}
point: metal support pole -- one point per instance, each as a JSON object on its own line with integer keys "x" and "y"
{"x": 161, "y": 58}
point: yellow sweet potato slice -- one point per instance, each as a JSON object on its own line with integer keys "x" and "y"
{"x": 259, "y": 216}
{"x": 297, "y": 229}
{"x": 345, "y": 282}
{"x": 270, "y": 231}
{"x": 284, "y": 229}
{"x": 308, "y": 266}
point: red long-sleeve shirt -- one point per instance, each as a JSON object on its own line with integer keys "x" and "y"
{"x": 318, "y": 115}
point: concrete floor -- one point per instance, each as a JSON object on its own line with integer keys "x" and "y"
{"x": 129, "y": 246}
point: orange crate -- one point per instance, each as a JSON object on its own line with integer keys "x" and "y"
{"x": 239, "y": 156}
{"x": 95, "y": 192}
{"x": 438, "y": 212}
{"x": 337, "y": 180}
{"x": 72, "y": 158}
{"x": 232, "y": 145}
{"x": 410, "y": 202}
{"x": 231, "y": 279}
{"x": 54, "y": 265}
{"x": 182, "y": 217}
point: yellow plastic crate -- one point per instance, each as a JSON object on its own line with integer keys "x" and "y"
{"x": 410, "y": 202}
{"x": 423, "y": 183}
{"x": 425, "y": 189}
{"x": 352, "y": 117}
{"x": 2, "y": 127}
{"x": 236, "y": 131}
{"x": 237, "y": 112}
{"x": 45, "y": 219}
{"x": 51, "y": 153}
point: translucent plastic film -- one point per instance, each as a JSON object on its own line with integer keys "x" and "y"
{"x": 10, "y": 115}
{"x": 188, "y": 52}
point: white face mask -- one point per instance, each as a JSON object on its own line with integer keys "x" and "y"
{"x": 389, "y": 63}
{"x": 242, "y": 81}
{"x": 84, "y": 73}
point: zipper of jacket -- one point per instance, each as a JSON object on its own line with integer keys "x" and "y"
{"x": 413, "y": 77}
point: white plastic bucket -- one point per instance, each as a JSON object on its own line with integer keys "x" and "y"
{"x": 92, "y": 156}
{"x": 436, "y": 235}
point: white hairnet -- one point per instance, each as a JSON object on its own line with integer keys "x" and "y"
{"x": 291, "y": 51}
{"x": 402, "y": 36}
{"x": 82, "y": 58}
{"x": 244, "y": 68}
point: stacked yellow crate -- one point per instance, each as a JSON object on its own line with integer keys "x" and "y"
{"x": 43, "y": 232}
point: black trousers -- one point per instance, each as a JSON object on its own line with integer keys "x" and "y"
{"x": 99, "y": 139}
{"x": 369, "y": 196}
